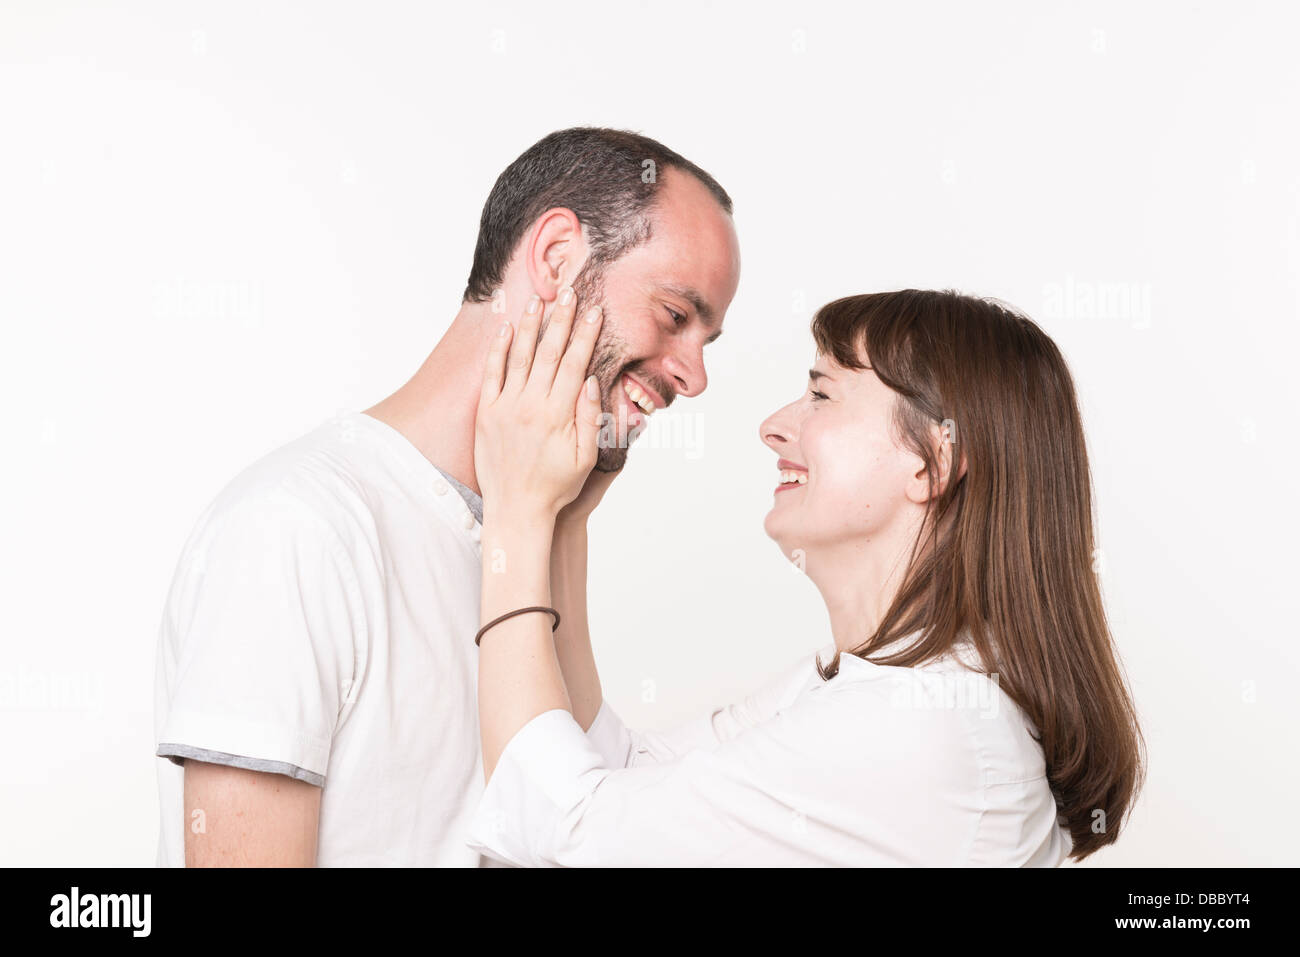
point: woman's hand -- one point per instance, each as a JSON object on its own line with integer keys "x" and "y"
{"x": 538, "y": 413}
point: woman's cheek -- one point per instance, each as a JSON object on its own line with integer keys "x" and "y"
{"x": 846, "y": 484}
{"x": 839, "y": 499}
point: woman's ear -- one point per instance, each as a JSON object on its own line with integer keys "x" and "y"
{"x": 948, "y": 448}
{"x": 555, "y": 252}
{"x": 944, "y": 445}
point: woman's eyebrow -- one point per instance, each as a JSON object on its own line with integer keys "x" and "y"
{"x": 814, "y": 375}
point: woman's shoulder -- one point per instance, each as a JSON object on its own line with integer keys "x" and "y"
{"x": 949, "y": 706}
{"x": 941, "y": 741}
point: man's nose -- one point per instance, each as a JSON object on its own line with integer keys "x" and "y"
{"x": 686, "y": 366}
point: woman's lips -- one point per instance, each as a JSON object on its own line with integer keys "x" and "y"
{"x": 793, "y": 475}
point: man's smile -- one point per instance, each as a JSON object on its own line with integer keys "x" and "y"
{"x": 641, "y": 396}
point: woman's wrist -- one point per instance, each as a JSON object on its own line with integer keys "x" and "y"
{"x": 519, "y": 520}
{"x": 516, "y": 564}
{"x": 517, "y": 542}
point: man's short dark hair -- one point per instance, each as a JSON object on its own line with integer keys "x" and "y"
{"x": 609, "y": 178}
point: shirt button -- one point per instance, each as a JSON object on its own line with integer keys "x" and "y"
{"x": 441, "y": 487}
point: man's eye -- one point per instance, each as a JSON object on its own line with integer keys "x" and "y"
{"x": 678, "y": 318}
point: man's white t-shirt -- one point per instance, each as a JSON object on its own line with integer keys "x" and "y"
{"x": 321, "y": 625}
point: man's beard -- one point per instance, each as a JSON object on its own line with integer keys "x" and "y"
{"x": 607, "y": 363}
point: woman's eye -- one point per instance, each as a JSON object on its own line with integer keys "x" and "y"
{"x": 818, "y": 396}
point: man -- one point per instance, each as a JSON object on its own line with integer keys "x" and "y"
{"x": 316, "y": 684}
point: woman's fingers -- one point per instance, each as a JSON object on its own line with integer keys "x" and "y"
{"x": 525, "y": 343}
{"x": 586, "y": 415}
{"x": 536, "y": 434}
{"x": 573, "y": 368}
{"x": 551, "y": 347}
{"x": 494, "y": 370}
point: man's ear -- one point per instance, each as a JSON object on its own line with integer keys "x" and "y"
{"x": 554, "y": 252}
{"x": 945, "y": 445}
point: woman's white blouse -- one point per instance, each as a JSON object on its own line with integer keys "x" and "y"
{"x": 880, "y": 766}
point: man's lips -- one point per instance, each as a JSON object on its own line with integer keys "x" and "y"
{"x": 639, "y": 401}
{"x": 629, "y": 414}
{"x": 641, "y": 395}
{"x": 793, "y": 475}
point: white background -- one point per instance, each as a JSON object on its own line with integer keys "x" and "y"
{"x": 221, "y": 224}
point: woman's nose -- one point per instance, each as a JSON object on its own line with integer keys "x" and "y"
{"x": 776, "y": 431}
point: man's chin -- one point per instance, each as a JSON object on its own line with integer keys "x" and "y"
{"x": 610, "y": 459}
{"x": 617, "y": 434}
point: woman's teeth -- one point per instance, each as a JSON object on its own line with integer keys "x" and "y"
{"x": 789, "y": 477}
{"x": 639, "y": 397}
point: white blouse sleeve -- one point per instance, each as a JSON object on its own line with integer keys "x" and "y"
{"x": 623, "y": 747}
{"x": 842, "y": 777}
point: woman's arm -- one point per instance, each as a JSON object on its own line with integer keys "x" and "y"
{"x": 518, "y": 672}
{"x": 535, "y": 444}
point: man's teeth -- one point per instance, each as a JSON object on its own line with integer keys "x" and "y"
{"x": 789, "y": 476}
{"x": 639, "y": 397}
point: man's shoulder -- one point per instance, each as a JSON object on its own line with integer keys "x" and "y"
{"x": 323, "y": 479}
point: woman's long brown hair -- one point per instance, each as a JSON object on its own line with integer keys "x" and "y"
{"x": 1006, "y": 555}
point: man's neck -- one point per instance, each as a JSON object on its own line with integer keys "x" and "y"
{"x": 435, "y": 410}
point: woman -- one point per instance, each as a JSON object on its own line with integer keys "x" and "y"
{"x": 935, "y": 487}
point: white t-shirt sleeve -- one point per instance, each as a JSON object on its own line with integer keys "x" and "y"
{"x": 264, "y": 640}
{"x": 623, "y": 747}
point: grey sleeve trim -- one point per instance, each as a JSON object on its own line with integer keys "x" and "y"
{"x": 177, "y": 753}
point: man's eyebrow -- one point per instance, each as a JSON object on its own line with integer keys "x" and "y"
{"x": 698, "y": 302}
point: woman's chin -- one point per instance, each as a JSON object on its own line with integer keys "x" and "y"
{"x": 773, "y": 526}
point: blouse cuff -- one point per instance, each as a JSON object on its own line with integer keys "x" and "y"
{"x": 547, "y": 769}
{"x": 610, "y": 737}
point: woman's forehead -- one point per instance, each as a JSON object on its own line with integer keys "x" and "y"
{"x": 826, "y": 364}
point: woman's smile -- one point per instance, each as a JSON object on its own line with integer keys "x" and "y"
{"x": 793, "y": 475}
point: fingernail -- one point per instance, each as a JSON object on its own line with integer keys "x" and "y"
{"x": 593, "y": 390}
{"x": 566, "y": 295}
{"x": 534, "y": 303}
{"x": 505, "y": 327}
{"x": 593, "y": 313}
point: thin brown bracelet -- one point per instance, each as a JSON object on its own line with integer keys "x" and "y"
{"x": 518, "y": 611}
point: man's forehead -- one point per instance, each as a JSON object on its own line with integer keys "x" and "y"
{"x": 687, "y": 220}
{"x": 691, "y": 254}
